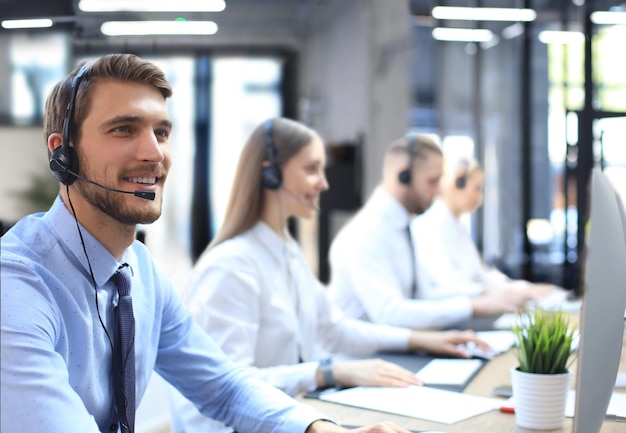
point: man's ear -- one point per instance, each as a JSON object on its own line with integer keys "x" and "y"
{"x": 54, "y": 141}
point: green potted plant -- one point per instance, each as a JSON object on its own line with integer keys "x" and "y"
{"x": 545, "y": 349}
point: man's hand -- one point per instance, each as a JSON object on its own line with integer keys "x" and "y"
{"x": 322, "y": 426}
{"x": 449, "y": 343}
{"x": 495, "y": 302}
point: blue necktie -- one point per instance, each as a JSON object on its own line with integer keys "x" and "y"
{"x": 124, "y": 352}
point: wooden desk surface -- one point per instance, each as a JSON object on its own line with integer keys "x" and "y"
{"x": 495, "y": 373}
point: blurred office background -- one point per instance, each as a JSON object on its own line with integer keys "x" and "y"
{"x": 538, "y": 97}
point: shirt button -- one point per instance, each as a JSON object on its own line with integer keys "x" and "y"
{"x": 113, "y": 427}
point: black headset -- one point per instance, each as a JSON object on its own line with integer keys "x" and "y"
{"x": 405, "y": 175}
{"x": 271, "y": 176}
{"x": 63, "y": 158}
{"x": 461, "y": 181}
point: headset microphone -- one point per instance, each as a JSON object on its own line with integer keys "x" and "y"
{"x": 300, "y": 200}
{"x": 148, "y": 195}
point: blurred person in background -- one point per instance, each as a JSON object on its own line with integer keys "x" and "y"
{"x": 374, "y": 275}
{"x": 253, "y": 292}
{"x": 448, "y": 262}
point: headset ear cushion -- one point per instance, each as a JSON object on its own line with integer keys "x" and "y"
{"x": 271, "y": 177}
{"x": 62, "y": 159}
{"x": 460, "y": 182}
{"x": 404, "y": 177}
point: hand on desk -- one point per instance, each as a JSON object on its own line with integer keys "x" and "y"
{"x": 373, "y": 372}
{"x": 449, "y": 343}
{"x": 496, "y": 302}
{"x": 536, "y": 291}
{"x": 381, "y": 427}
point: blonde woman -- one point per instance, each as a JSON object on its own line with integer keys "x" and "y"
{"x": 254, "y": 293}
{"x": 449, "y": 263}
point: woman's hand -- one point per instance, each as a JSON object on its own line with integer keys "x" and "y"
{"x": 372, "y": 372}
{"x": 450, "y": 343}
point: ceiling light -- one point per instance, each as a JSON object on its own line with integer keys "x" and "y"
{"x": 462, "y": 35}
{"x": 27, "y": 24}
{"x": 495, "y": 40}
{"x": 561, "y": 37}
{"x": 483, "y": 14}
{"x": 608, "y": 18}
{"x": 513, "y": 31}
{"x": 141, "y": 28}
{"x": 152, "y": 5}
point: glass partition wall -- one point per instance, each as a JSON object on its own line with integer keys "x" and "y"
{"x": 538, "y": 111}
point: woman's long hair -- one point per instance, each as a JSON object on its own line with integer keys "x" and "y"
{"x": 245, "y": 204}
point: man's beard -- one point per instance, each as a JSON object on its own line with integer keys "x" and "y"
{"x": 112, "y": 204}
{"x": 418, "y": 209}
{"x": 414, "y": 203}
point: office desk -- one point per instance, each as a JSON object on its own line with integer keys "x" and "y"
{"x": 495, "y": 373}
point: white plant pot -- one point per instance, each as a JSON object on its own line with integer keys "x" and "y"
{"x": 539, "y": 399}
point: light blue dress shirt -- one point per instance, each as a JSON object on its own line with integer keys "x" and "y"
{"x": 56, "y": 357}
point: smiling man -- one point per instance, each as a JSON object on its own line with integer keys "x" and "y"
{"x": 86, "y": 314}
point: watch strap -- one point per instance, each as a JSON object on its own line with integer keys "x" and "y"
{"x": 326, "y": 368}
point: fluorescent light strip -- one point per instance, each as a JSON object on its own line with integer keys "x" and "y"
{"x": 27, "y": 24}
{"x": 512, "y": 31}
{"x": 142, "y": 28}
{"x": 152, "y": 5}
{"x": 561, "y": 37}
{"x": 608, "y": 18}
{"x": 483, "y": 14}
{"x": 462, "y": 35}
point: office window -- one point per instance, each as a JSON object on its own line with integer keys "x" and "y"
{"x": 610, "y": 72}
{"x": 36, "y": 63}
{"x": 246, "y": 91}
{"x": 566, "y": 99}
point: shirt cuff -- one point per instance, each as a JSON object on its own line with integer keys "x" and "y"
{"x": 301, "y": 418}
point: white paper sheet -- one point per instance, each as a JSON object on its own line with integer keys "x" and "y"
{"x": 422, "y": 402}
{"x": 617, "y": 405}
{"x": 448, "y": 371}
{"x": 508, "y": 320}
{"x": 499, "y": 341}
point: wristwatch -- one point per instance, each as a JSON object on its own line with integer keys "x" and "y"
{"x": 326, "y": 368}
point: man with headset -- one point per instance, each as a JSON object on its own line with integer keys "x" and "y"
{"x": 373, "y": 269}
{"x": 77, "y": 354}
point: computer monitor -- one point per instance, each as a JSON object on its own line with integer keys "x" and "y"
{"x": 604, "y": 300}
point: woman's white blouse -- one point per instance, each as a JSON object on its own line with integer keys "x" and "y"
{"x": 258, "y": 299}
{"x": 448, "y": 262}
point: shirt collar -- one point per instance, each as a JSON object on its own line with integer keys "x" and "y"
{"x": 442, "y": 211}
{"x": 389, "y": 208}
{"x": 64, "y": 225}
{"x": 276, "y": 246}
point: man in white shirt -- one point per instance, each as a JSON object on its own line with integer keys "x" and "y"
{"x": 373, "y": 274}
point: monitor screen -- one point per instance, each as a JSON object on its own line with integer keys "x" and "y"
{"x": 602, "y": 315}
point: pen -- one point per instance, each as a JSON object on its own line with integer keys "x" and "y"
{"x": 507, "y": 409}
